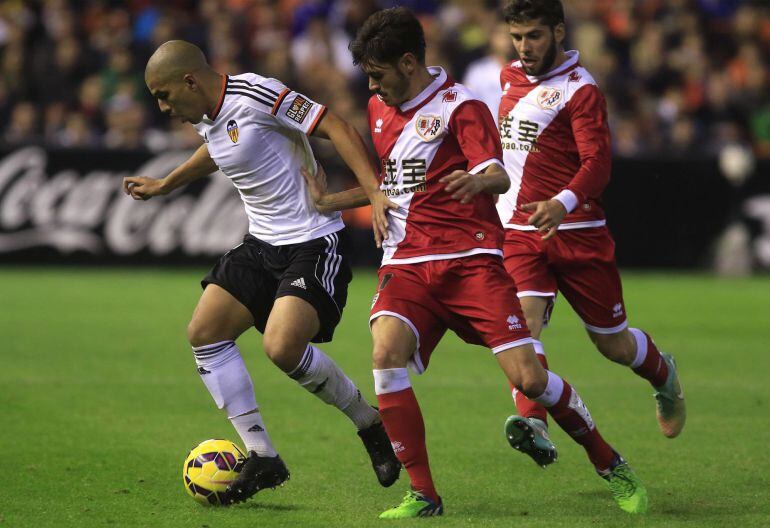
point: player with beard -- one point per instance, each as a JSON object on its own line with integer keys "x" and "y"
{"x": 556, "y": 147}
{"x": 440, "y": 159}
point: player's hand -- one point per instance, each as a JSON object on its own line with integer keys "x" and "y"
{"x": 463, "y": 185}
{"x": 316, "y": 184}
{"x": 546, "y": 217}
{"x": 142, "y": 188}
{"x": 380, "y": 206}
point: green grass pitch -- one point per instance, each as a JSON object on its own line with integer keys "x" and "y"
{"x": 100, "y": 402}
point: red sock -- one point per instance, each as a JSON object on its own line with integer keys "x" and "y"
{"x": 402, "y": 418}
{"x": 580, "y": 426}
{"x": 526, "y": 407}
{"x": 653, "y": 368}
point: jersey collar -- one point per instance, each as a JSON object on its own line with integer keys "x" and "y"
{"x": 573, "y": 57}
{"x": 210, "y": 120}
{"x": 440, "y": 77}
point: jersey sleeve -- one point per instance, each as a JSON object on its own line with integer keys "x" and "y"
{"x": 472, "y": 125}
{"x": 587, "y": 111}
{"x": 292, "y": 109}
{"x": 299, "y": 111}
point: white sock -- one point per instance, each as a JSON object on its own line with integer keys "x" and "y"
{"x": 641, "y": 347}
{"x": 390, "y": 380}
{"x": 553, "y": 391}
{"x": 224, "y": 373}
{"x": 252, "y": 431}
{"x": 321, "y": 376}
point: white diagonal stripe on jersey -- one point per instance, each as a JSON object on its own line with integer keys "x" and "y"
{"x": 515, "y": 160}
{"x": 406, "y": 147}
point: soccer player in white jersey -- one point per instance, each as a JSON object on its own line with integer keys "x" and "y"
{"x": 556, "y": 147}
{"x": 442, "y": 268}
{"x": 289, "y": 277}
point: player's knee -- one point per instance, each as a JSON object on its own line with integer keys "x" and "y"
{"x": 385, "y": 356}
{"x": 615, "y": 347}
{"x": 283, "y": 350}
{"x": 531, "y": 385}
{"x": 199, "y": 334}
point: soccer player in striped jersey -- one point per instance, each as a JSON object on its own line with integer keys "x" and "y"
{"x": 289, "y": 277}
{"x": 442, "y": 268}
{"x": 556, "y": 148}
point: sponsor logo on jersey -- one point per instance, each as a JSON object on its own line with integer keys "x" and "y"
{"x": 549, "y": 97}
{"x": 506, "y": 88}
{"x": 449, "y": 97}
{"x": 232, "y": 130}
{"x": 479, "y": 235}
{"x": 428, "y": 126}
{"x": 513, "y": 323}
{"x": 617, "y": 310}
{"x": 573, "y": 77}
{"x": 378, "y": 126}
{"x": 299, "y": 109}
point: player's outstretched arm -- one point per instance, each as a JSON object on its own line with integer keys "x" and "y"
{"x": 351, "y": 148}
{"x": 198, "y": 165}
{"x": 327, "y": 203}
{"x": 464, "y": 185}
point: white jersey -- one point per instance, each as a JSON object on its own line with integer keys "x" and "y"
{"x": 258, "y": 137}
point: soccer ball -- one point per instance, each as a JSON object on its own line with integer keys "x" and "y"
{"x": 209, "y": 468}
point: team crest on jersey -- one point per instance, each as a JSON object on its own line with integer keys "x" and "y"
{"x": 549, "y": 97}
{"x": 428, "y": 126}
{"x": 232, "y": 130}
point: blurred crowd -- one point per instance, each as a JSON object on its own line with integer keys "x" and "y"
{"x": 682, "y": 77}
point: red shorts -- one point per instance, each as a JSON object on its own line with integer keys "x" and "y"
{"x": 580, "y": 263}
{"x": 472, "y": 296}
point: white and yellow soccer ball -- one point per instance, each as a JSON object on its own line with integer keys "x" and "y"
{"x": 209, "y": 468}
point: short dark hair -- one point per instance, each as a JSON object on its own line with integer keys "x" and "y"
{"x": 549, "y": 12}
{"x": 387, "y": 35}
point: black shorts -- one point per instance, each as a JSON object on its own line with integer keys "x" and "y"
{"x": 256, "y": 273}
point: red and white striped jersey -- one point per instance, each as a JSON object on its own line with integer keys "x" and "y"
{"x": 556, "y": 141}
{"x": 445, "y": 128}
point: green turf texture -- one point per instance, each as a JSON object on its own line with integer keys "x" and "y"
{"x": 101, "y": 402}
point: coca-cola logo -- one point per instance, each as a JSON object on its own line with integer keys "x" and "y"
{"x": 74, "y": 211}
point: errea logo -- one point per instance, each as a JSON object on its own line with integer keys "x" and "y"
{"x": 617, "y": 310}
{"x": 514, "y": 323}
{"x": 378, "y": 126}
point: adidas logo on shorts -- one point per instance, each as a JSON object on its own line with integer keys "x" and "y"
{"x": 300, "y": 283}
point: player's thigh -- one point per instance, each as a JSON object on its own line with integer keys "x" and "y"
{"x": 482, "y": 300}
{"x": 403, "y": 306}
{"x": 394, "y": 342}
{"x": 588, "y": 278}
{"x": 537, "y": 311}
{"x": 319, "y": 274}
{"x": 217, "y": 317}
{"x": 291, "y": 325}
{"x": 526, "y": 262}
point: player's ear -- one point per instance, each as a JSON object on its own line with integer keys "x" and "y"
{"x": 190, "y": 82}
{"x": 559, "y": 33}
{"x": 407, "y": 64}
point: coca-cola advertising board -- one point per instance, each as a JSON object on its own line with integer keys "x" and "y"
{"x": 67, "y": 206}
